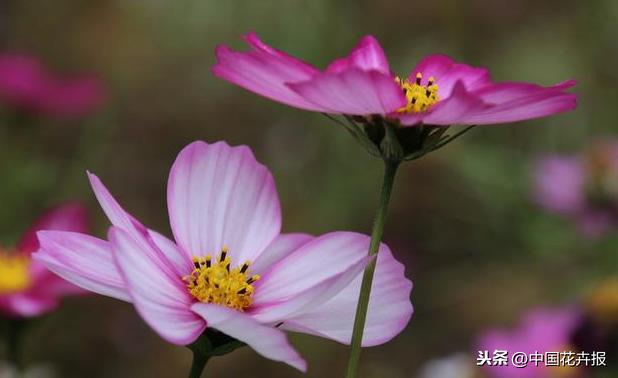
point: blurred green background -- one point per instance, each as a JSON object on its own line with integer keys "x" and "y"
{"x": 479, "y": 251}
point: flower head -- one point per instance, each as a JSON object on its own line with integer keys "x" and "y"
{"x": 27, "y": 85}
{"x": 229, "y": 268}
{"x": 27, "y": 288}
{"x": 540, "y": 331}
{"x": 438, "y": 90}
{"x": 581, "y": 187}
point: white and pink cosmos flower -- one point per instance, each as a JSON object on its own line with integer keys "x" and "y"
{"x": 27, "y": 288}
{"x": 438, "y": 90}
{"x": 229, "y": 267}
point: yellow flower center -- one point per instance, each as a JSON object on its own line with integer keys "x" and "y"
{"x": 420, "y": 97}
{"x": 213, "y": 281}
{"x": 14, "y": 272}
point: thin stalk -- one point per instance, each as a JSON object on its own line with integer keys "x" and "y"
{"x": 13, "y": 344}
{"x": 199, "y": 363}
{"x": 390, "y": 169}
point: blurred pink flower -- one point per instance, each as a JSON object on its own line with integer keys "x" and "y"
{"x": 540, "y": 330}
{"x": 257, "y": 282}
{"x": 582, "y": 187}
{"x": 27, "y": 85}
{"x": 27, "y": 288}
{"x": 438, "y": 91}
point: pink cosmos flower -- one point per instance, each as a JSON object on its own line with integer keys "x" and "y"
{"x": 581, "y": 187}
{"x": 27, "y": 85}
{"x": 541, "y": 330}
{"x": 438, "y": 91}
{"x": 27, "y": 288}
{"x": 229, "y": 267}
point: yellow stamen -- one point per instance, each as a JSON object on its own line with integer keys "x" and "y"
{"x": 214, "y": 281}
{"x": 14, "y": 272}
{"x": 420, "y": 97}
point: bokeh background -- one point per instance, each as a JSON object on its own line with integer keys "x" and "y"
{"x": 479, "y": 249}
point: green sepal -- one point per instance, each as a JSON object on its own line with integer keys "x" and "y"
{"x": 214, "y": 343}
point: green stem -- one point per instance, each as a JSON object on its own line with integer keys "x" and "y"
{"x": 390, "y": 169}
{"x": 13, "y": 338}
{"x": 199, "y": 363}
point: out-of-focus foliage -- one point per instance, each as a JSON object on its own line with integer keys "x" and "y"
{"x": 478, "y": 249}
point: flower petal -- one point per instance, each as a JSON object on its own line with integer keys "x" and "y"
{"x": 303, "y": 69}
{"x": 279, "y": 249}
{"x": 504, "y": 92}
{"x": 366, "y": 55}
{"x": 161, "y": 300}
{"x": 121, "y": 219}
{"x": 447, "y": 73}
{"x": 309, "y": 298}
{"x": 267, "y": 341}
{"x": 68, "y": 217}
{"x": 389, "y": 312}
{"x": 436, "y": 65}
{"x": 72, "y": 99}
{"x": 115, "y": 213}
{"x": 322, "y": 258}
{"x": 82, "y": 260}
{"x": 559, "y": 184}
{"x": 264, "y": 71}
{"x": 26, "y": 305}
{"x": 177, "y": 257}
{"x": 221, "y": 196}
{"x": 352, "y": 91}
{"x": 531, "y": 107}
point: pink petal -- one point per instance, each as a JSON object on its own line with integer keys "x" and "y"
{"x": 366, "y": 55}
{"x": 53, "y": 286}
{"x": 82, "y": 260}
{"x": 267, "y": 341}
{"x": 68, "y": 217}
{"x": 390, "y": 309}
{"x": 451, "y": 111}
{"x": 121, "y": 219}
{"x": 71, "y": 98}
{"x": 436, "y": 65}
{"x": 531, "y": 107}
{"x": 264, "y": 71}
{"x": 279, "y": 249}
{"x": 25, "y": 83}
{"x": 179, "y": 259}
{"x": 160, "y": 298}
{"x": 503, "y": 92}
{"x": 447, "y": 73}
{"x": 322, "y": 258}
{"x": 221, "y": 196}
{"x": 304, "y": 69}
{"x": 352, "y": 91}
{"x": 309, "y": 298}
{"x": 559, "y": 184}
{"x": 26, "y": 305}
{"x": 21, "y": 80}
{"x": 115, "y": 213}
